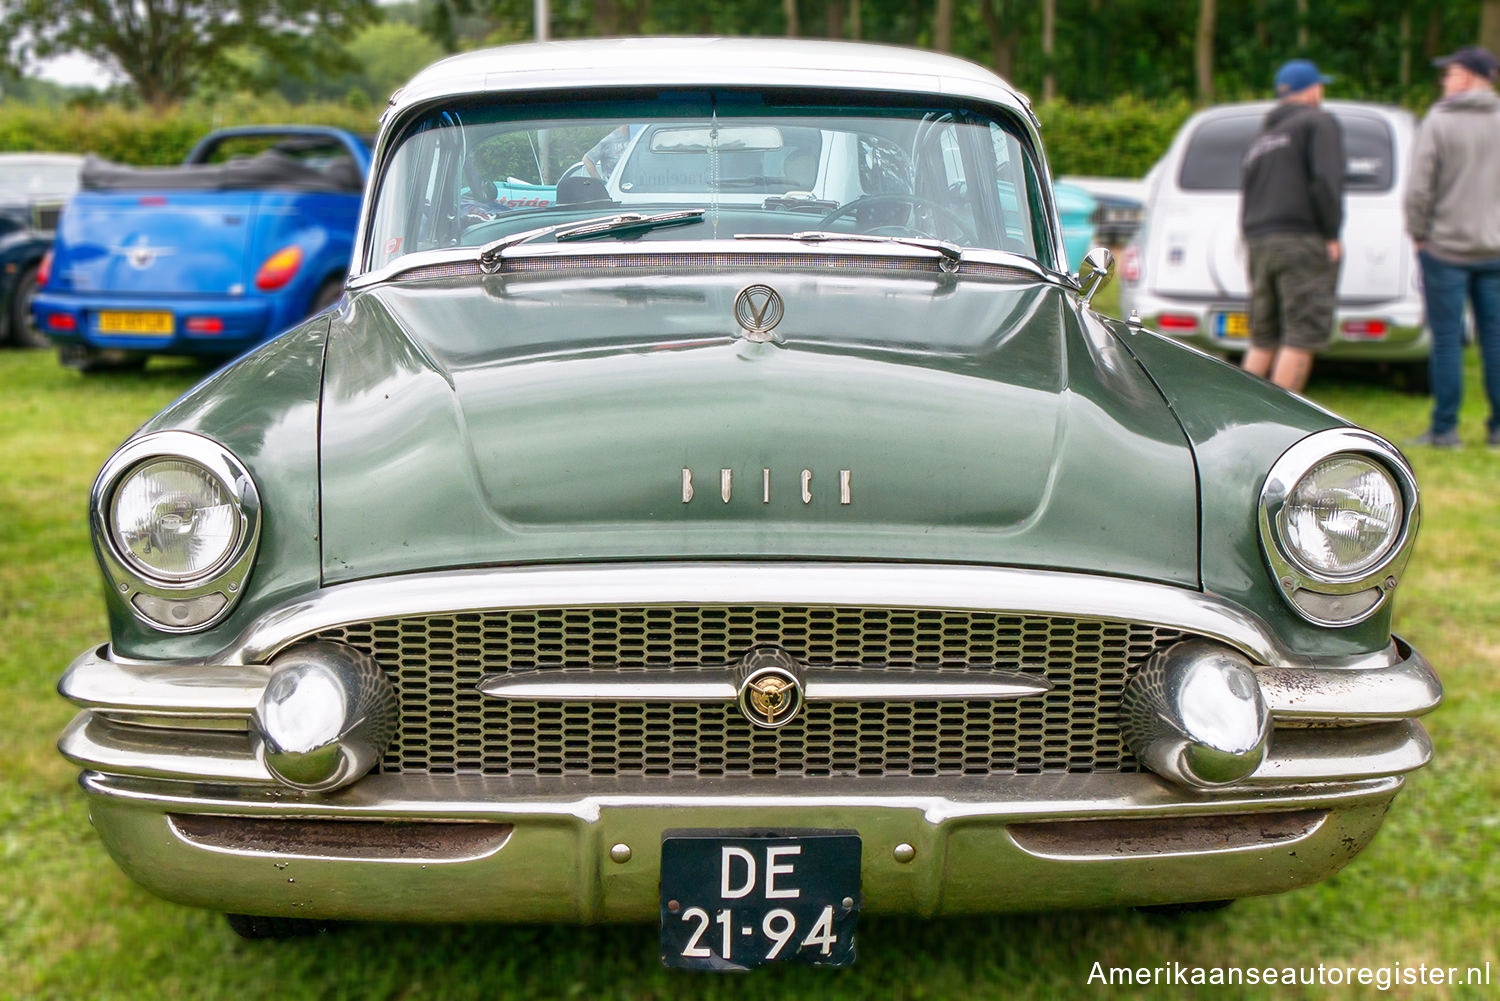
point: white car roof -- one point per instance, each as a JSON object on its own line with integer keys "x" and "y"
{"x": 1261, "y": 107}
{"x": 707, "y": 62}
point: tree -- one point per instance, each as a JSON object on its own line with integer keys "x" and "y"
{"x": 1203, "y": 52}
{"x": 165, "y": 47}
{"x": 1489, "y": 25}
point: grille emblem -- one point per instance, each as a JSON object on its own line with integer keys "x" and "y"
{"x": 758, "y": 309}
{"x": 770, "y": 690}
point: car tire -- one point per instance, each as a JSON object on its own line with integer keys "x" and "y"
{"x": 24, "y": 332}
{"x": 1179, "y": 910}
{"x": 328, "y": 293}
{"x": 1416, "y": 377}
{"x": 258, "y": 927}
{"x": 92, "y": 361}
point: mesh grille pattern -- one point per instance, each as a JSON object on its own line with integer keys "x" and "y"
{"x": 447, "y": 727}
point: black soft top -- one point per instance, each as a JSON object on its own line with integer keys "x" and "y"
{"x": 270, "y": 170}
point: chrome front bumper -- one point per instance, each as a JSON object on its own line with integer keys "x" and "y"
{"x": 189, "y": 810}
{"x": 485, "y": 851}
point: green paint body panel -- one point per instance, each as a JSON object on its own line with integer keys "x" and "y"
{"x": 1239, "y": 426}
{"x": 545, "y": 418}
{"x": 264, "y": 408}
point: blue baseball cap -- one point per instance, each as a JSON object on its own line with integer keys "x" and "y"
{"x": 1298, "y": 75}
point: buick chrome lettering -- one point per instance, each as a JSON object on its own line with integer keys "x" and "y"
{"x": 714, "y": 501}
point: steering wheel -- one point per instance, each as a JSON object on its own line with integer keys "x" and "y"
{"x": 916, "y": 202}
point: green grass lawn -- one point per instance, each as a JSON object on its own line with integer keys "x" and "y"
{"x": 1426, "y": 891}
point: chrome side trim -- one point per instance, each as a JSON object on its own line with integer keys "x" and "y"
{"x": 1342, "y": 755}
{"x": 1399, "y": 690}
{"x": 828, "y": 685}
{"x": 969, "y": 588}
{"x": 91, "y": 742}
{"x": 165, "y": 689}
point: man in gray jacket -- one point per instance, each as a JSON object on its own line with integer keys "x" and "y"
{"x": 1453, "y": 216}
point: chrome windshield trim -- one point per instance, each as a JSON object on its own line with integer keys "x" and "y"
{"x": 794, "y": 250}
{"x": 820, "y": 685}
{"x": 963, "y": 588}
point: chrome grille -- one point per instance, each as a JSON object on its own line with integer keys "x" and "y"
{"x": 446, "y": 727}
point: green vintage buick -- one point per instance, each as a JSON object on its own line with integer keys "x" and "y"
{"x": 761, "y": 532}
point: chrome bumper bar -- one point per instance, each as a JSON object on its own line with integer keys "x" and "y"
{"x": 474, "y": 849}
{"x": 1296, "y": 756}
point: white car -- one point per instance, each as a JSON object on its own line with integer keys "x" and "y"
{"x": 1185, "y": 272}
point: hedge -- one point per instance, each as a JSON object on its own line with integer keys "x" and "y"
{"x": 1120, "y": 139}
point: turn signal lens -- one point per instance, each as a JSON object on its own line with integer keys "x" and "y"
{"x": 280, "y": 268}
{"x": 44, "y": 270}
{"x": 1343, "y": 517}
{"x": 173, "y": 520}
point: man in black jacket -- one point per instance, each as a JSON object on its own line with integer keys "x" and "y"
{"x": 1291, "y": 213}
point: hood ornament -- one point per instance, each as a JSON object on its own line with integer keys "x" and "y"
{"x": 758, "y": 309}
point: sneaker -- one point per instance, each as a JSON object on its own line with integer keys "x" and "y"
{"x": 1446, "y": 439}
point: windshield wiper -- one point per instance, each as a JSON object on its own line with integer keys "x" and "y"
{"x": 951, "y": 253}
{"x": 629, "y": 222}
{"x": 491, "y": 254}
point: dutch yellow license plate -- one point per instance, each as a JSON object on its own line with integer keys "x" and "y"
{"x": 1232, "y": 326}
{"x": 133, "y": 322}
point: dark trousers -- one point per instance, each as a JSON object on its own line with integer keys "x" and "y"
{"x": 1447, "y": 287}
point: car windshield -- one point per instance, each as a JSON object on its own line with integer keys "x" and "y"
{"x": 1217, "y": 148}
{"x": 480, "y": 171}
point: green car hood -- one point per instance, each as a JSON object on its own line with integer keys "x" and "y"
{"x": 521, "y": 419}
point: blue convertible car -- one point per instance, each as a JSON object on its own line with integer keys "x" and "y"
{"x": 248, "y": 236}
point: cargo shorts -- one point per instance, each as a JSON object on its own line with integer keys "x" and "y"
{"x": 1292, "y": 291}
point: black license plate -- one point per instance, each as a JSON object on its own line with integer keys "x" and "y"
{"x": 732, "y": 902}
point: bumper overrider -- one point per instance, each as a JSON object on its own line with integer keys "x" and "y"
{"x": 254, "y": 783}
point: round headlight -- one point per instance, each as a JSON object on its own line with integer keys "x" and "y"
{"x": 1343, "y": 516}
{"x": 173, "y": 520}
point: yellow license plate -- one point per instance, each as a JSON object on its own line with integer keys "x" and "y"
{"x": 1234, "y": 325}
{"x": 131, "y": 322}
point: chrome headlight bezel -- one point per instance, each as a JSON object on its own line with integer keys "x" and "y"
{"x": 154, "y": 598}
{"x": 1314, "y": 595}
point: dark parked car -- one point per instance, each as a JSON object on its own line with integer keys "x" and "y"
{"x": 33, "y": 188}
{"x": 742, "y": 565}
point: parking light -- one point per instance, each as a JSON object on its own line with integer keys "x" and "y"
{"x": 61, "y": 321}
{"x": 280, "y": 268}
{"x": 44, "y": 270}
{"x": 204, "y": 325}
